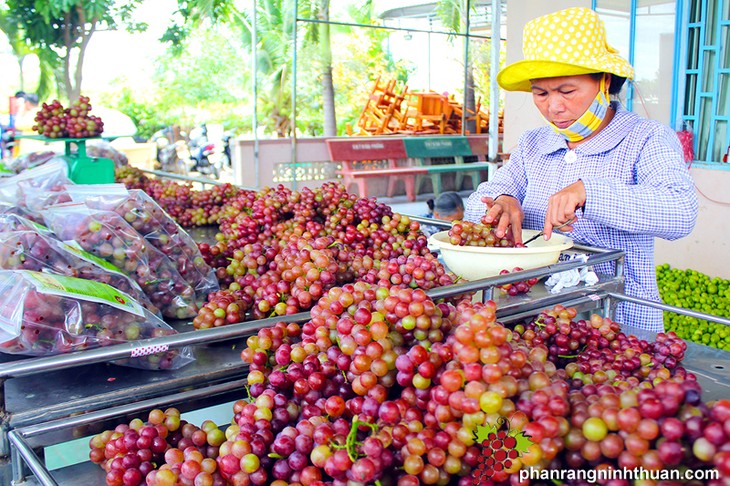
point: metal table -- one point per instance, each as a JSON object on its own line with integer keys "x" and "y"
{"x": 50, "y": 401}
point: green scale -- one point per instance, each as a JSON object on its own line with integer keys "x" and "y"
{"x": 82, "y": 169}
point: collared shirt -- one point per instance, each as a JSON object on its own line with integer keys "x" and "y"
{"x": 637, "y": 188}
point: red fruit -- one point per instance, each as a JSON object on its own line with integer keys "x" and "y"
{"x": 722, "y": 462}
{"x": 715, "y": 434}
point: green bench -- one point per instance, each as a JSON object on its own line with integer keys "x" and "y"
{"x": 428, "y": 151}
{"x": 473, "y": 170}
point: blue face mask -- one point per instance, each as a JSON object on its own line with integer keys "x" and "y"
{"x": 589, "y": 121}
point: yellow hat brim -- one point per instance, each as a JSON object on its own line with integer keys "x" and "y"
{"x": 517, "y": 76}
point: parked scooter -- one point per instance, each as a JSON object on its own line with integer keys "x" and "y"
{"x": 202, "y": 151}
{"x": 226, "y": 160}
{"x": 172, "y": 155}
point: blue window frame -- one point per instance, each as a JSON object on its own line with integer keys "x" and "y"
{"x": 644, "y": 32}
{"x": 706, "y": 75}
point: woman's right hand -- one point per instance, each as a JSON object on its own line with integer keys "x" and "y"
{"x": 506, "y": 212}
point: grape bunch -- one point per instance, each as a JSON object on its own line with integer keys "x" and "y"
{"x": 517, "y": 288}
{"x": 53, "y": 121}
{"x": 79, "y": 123}
{"x": 223, "y": 307}
{"x": 414, "y": 271}
{"x": 353, "y": 396}
{"x": 466, "y": 233}
{"x": 162, "y": 450}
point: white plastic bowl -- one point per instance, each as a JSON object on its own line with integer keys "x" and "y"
{"x": 475, "y": 262}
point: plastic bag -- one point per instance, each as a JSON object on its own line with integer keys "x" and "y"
{"x": 105, "y": 234}
{"x": 37, "y": 200}
{"x": 686, "y": 140}
{"x": 102, "y": 148}
{"x": 7, "y": 208}
{"x": 15, "y": 222}
{"x": 52, "y": 177}
{"x": 43, "y": 314}
{"x": 157, "y": 227}
{"x": 37, "y": 249}
{"x": 29, "y": 161}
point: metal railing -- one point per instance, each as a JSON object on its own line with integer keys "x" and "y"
{"x": 200, "y": 180}
{"x": 33, "y": 366}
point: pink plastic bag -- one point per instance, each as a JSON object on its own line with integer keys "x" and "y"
{"x": 686, "y": 139}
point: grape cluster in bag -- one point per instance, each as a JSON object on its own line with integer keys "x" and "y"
{"x": 43, "y": 314}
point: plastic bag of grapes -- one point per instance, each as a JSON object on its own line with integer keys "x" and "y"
{"x": 52, "y": 176}
{"x": 36, "y": 200}
{"x": 43, "y": 314}
{"x": 15, "y": 222}
{"x": 29, "y": 161}
{"x": 9, "y": 209}
{"x": 39, "y": 250}
{"x": 107, "y": 235}
{"x": 157, "y": 227}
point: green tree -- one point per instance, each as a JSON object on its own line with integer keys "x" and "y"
{"x": 274, "y": 28}
{"x": 47, "y": 59}
{"x": 65, "y": 27}
{"x": 453, "y": 15}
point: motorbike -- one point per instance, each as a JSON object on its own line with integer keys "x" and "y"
{"x": 202, "y": 151}
{"x": 172, "y": 155}
{"x": 227, "y": 137}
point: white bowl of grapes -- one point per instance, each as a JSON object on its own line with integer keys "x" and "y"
{"x": 472, "y": 250}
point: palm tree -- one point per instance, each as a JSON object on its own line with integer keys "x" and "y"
{"x": 453, "y": 15}
{"x": 274, "y": 28}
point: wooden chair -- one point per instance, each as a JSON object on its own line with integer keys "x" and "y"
{"x": 432, "y": 108}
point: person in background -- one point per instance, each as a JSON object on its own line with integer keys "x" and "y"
{"x": 27, "y": 109}
{"x": 448, "y": 207}
{"x": 24, "y": 122}
{"x": 622, "y": 176}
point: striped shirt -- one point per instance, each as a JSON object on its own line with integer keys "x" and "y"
{"x": 637, "y": 188}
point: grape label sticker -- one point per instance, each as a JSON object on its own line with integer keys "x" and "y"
{"x": 89, "y": 289}
{"x": 500, "y": 449}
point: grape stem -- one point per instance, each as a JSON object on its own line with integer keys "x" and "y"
{"x": 351, "y": 441}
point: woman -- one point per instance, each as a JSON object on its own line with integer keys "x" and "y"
{"x": 623, "y": 177}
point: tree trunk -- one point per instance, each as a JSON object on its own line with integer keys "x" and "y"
{"x": 328, "y": 89}
{"x": 67, "y": 58}
{"x": 73, "y": 88}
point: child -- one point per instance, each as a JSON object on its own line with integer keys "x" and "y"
{"x": 448, "y": 207}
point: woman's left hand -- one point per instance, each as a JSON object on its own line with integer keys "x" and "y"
{"x": 562, "y": 207}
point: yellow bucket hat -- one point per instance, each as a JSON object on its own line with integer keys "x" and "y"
{"x": 564, "y": 43}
